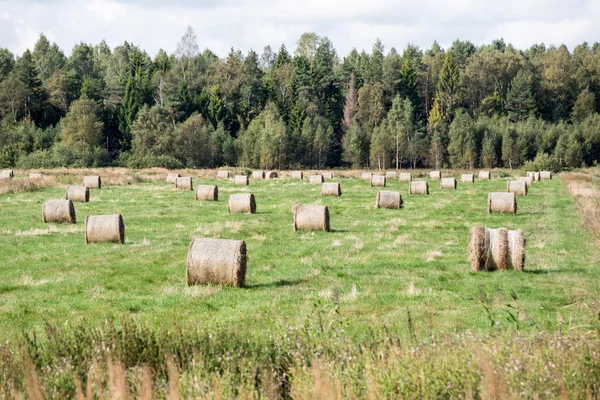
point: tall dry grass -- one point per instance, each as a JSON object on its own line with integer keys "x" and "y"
{"x": 585, "y": 191}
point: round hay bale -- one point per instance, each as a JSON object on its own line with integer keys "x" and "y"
{"x": 172, "y": 178}
{"x": 485, "y": 175}
{"x": 331, "y": 189}
{"x": 448, "y": 183}
{"x": 535, "y": 176}
{"x": 7, "y": 174}
{"x": 388, "y": 199}
{"x": 240, "y": 180}
{"x": 405, "y": 177}
{"x": 327, "y": 175}
{"x": 378, "y": 181}
{"x": 184, "y": 183}
{"x": 78, "y": 193}
{"x": 241, "y": 203}
{"x": 222, "y": 174}
{"x": 517, "y": 187}
{"x": 436, "y": 175}
{"x": 390, "y": 175}
{"x": 545, "y": 175}
{"x": 207, "y": 192}
{"x": 216, "y": 261}
{"x": 59, "y": 211}
{"x": 502, "y": 202}
{"x": 272, "y": 175}
{"x": 92, "y": 182}
{"x": 316, "y": 179}
{"x": 104, "y": 228}
{"x": 526, "y": 179}
{"x": 467, "y": 178}
{"x": 258, "y": 175}
{"x": 418, "y": 187}
{"x": 34, "y": 176}
{"x": 311, "y": 218}
{"x": 366, "y": 176}
{"x": 297, "y": 175}
{"x": 493, "y": 249}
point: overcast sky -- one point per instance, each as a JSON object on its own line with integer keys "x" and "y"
{"x": 253, "y": 24}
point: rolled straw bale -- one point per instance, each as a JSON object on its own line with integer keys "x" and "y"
{"x": 104, "y": 228}
{"x": 207, "y": 192}
{"x": 485, "y": 175}
{"x": 526, "y": 179}
{"x": 418, "y": 187}
{"x": 92, "y": 182}
{"x": 240, "y": 180}
{"x": 492, "y": 249}
{"x": 388, "y": 199}
{"x": 311, "y": 218}
{"x": 327, "y": 175}
{"x": 331, "y": 189}
{"x": 378, "y": 181}
{"x": 222, "y": 174}
{"x": 217, "y": 261}
{"x": 172, "y": 178}
{"x": 184, "y": 183}
{"x": 405, "y": 177}
{"x": 467, "y": 178}
{"x": 258, "y": 175}
{"x": 517, "y": 187}
{"x": 535, "y": 176}
{"x": 241, "y": 203}
{"x": 545, "y": 175}
{"x": 297, "y": 175}
{"x": 7, "y": 174}
{"x": 59, "y": 211}
{"x": 448, "y": 183}
{"x": 437, "y": 175}
{"x": 366, "y": 176}
{"x": 316, "y": 179}
{"x": 502, "y": 202}
{"x": 390, "y": 175}
{"x": 78, "y": 193}
{"x": 33, "y": 175}
{"x": 272, "y": 175}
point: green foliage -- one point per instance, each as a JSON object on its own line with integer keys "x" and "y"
{"x": 462, "y": 144}
{"x": 82, "y": 124}
{"x": 542, "y": 162}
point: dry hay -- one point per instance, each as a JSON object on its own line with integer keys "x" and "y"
{"x": 437, "y": 175}
{"x": 517, "y": 187}
{"x": 327, "y": 175}
{"x": 34, "y": 175}
{"x": 217, "y": 261}
{"x": 240, "y": 180}
{"x": 418, "y": 187}
{"x": 366, "y": 176}
{"x": 272, "y": 175}
{"x": 104, "y": 228}
{"x": 485, "y": 175}
{"x": 528, "y": 181}
{"x": 258, "y": 175}
{"x": 388, "y": 199}
{"x": 467, "y": 178}
{"x": 92, "y": 182}
{"x": 222, "y": 174}
{"x": 390, "y": 175}
{"x": 331, "y": 189}
{"x": 545, "y": 175}
{"x": 502, "y": 202}
{"x": 311, "y": 218}
{"x": 405, "y": 177}
{"x": 448, "y": 183}
{"x": 184, "y": 183}
{"x": 297, "y": 175}
{"x": 378, "y": 181}
{"x": 535, "y": 176}
{"x": 207, "y": 192}
{"x": 492, "y": 249}
{"x": 172, "y": 178}
{"x": 241, "y": 203}
{"x": 78, "y": 193}
{"x": 7, "y": 174}
{"x": 59, "y": 211}
{"x": 316, "y": 179}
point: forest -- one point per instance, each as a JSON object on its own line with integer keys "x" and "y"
{"x": 461, "y": 107}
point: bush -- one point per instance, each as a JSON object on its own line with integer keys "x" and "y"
{"x": 542, "y": 162}
{"x": 150, "y": 161}
{"x": 78, "y": 155}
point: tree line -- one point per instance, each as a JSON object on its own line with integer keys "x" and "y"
{"x": 464, "y": 107}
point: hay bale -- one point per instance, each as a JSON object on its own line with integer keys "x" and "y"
{"x": 327, "y": 175}
{"x": 519, "y": 188}
{"x": 272, "y": 175}
{"x": 390, "y": 175}
{"x": 297, "y": 175}
{"x": 388, "y": 199}
{"x": 33, "y": 176}
{"x": 545, "y": 175}
{"x": 104, "y": 228}
{"x": 78, "y": 193}
{"x": 240, "y": 180}
{"x": 467, "y": 178}
{"x": 378, "y": 181}
{"x": 526, "y": 179}
{"x": 535, "y": 176}
{"x": 448, "y": 183}
{"x": 241, "y": 203}
{"x": 59, "y": 211}
{"x": 184, "y": 183}
{"x": 92, "y": 182}
{"x": 485, "y": 175}
{"x": 492, "y": 249}
{"x": 331, "y": 189}
{"x": 316, "y": 179}
{"x": 418, "y": 187}
{"x": 258, "y": 175}
{"x": 7, "y": 174}
{"x": 502, "y": 202}
{"x": 311, "y": 218}
{"x": 405, "y": 177}
{"x": 218, "y": 261}
{"x": 437, "y": 175}
{"x": 172, "y": 178}
{"x": 366, "y": 176}
{"x": 207, "y": 192}
{"x": 222, "y": 174}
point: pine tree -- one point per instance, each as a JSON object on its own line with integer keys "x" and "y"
{"x": 584, "y": 106}
{"x": 376, "y": 63}
{"x": 462, "y": 146}
{"x": 519, "y": 99}
{"x": 448, "y": 92}
{"x": 355, "y": 146}
{"x": 28, "y": 74}
{"x": 350, "y": 105}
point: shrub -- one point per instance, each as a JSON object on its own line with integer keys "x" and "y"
{"x": 149, "y": 161}
{"x": 542, "y": 162}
